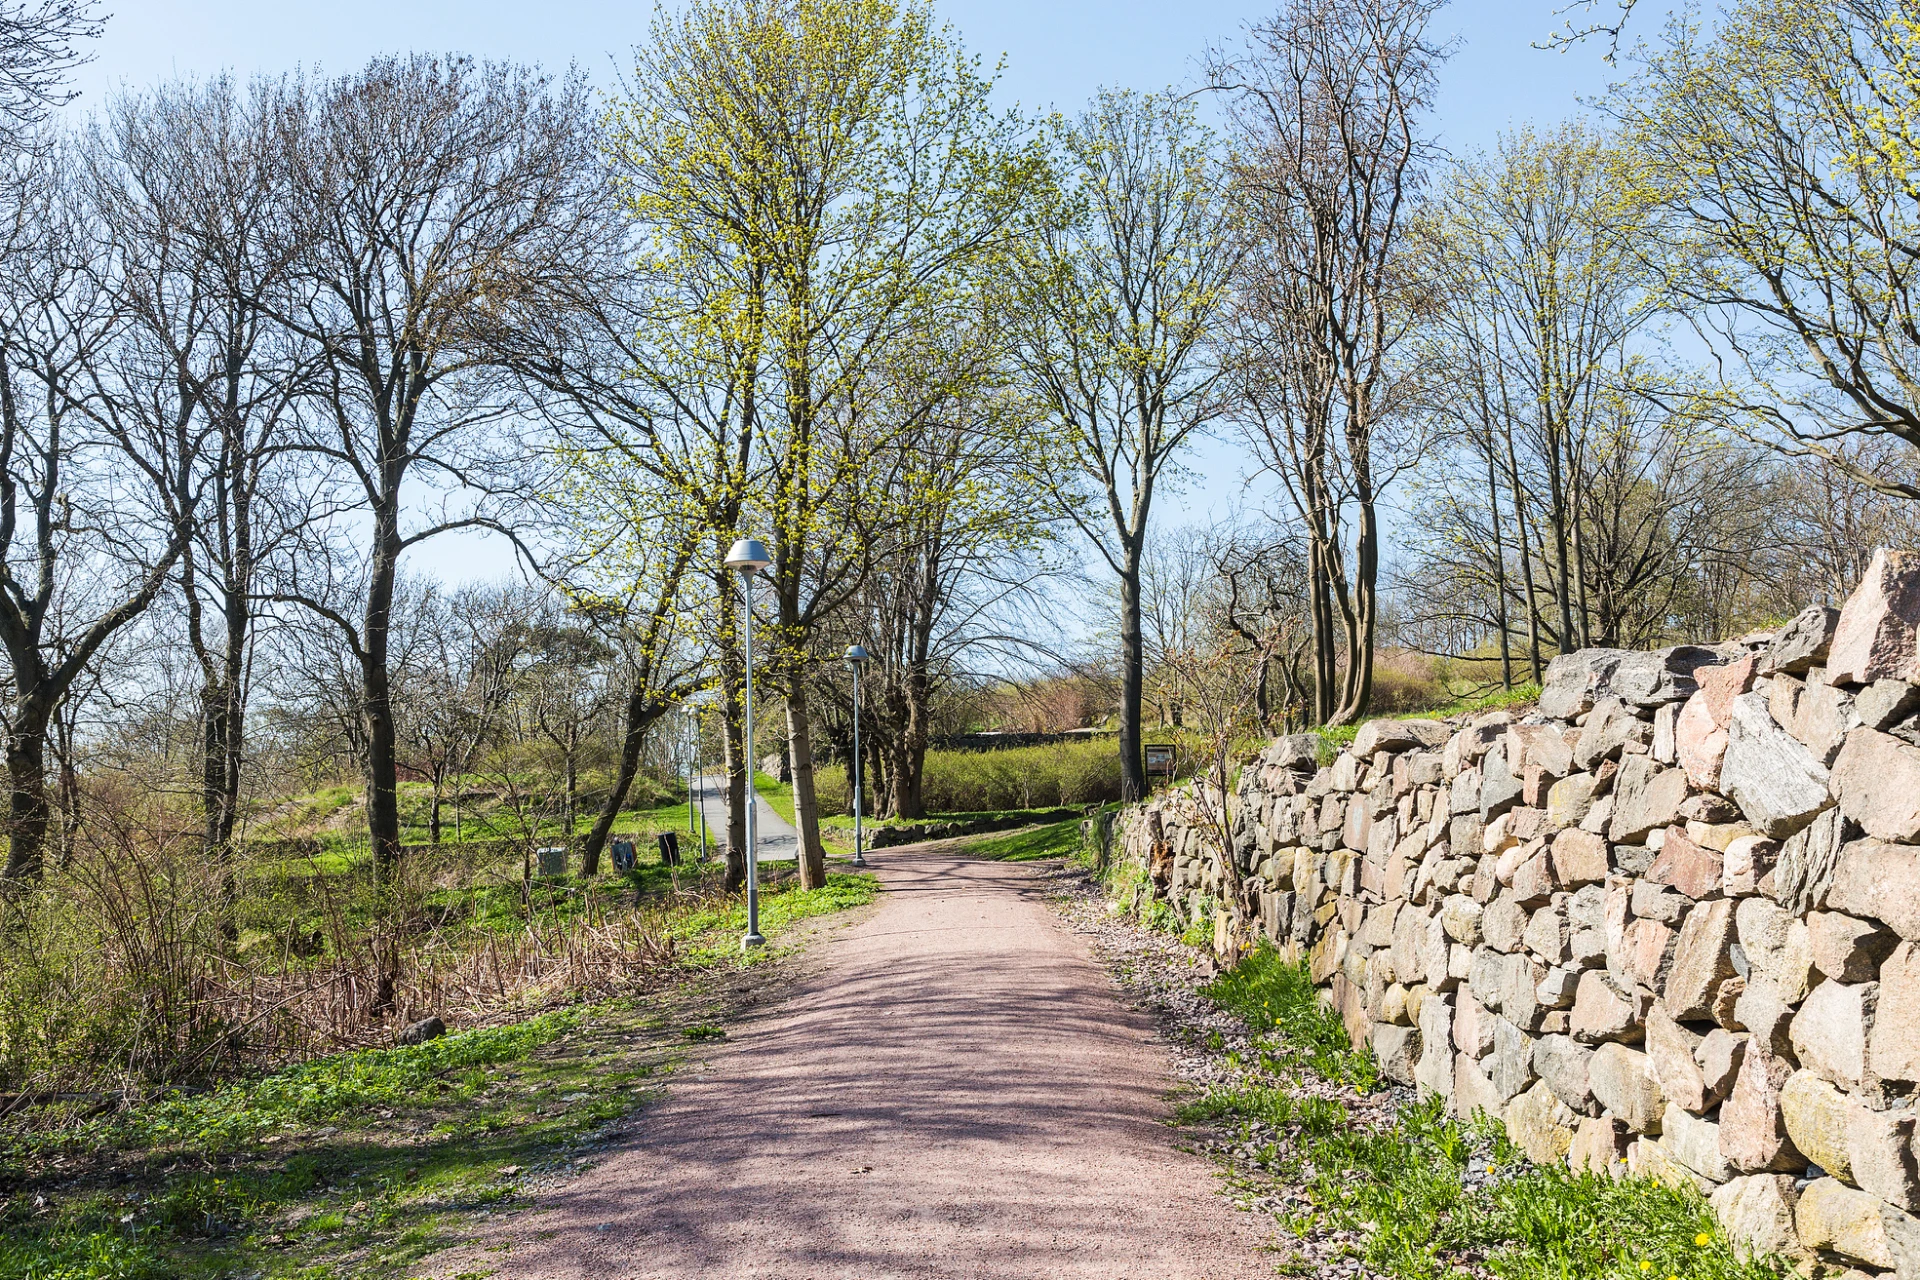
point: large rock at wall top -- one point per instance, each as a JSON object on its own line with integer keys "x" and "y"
{"x": 1399, "y": 735}
{"x": 1575, "y": 681}
{"x": 1875, "y": 638}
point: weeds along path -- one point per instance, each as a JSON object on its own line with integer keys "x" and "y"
{"x": 955, "y": 1091}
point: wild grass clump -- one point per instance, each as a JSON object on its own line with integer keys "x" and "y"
{"x": 1275, "y": 996}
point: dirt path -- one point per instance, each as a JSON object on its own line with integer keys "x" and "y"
{"x": 956, "y": 1093}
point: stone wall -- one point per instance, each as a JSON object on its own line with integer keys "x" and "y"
{"x": 1667, "y": 922}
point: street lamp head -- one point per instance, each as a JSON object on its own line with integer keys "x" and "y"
{"x": 748, "y": 556}
{"x": 855, "y": 655}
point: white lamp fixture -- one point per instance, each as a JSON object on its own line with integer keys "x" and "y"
{"x": 856, "y": 656}
{"x": 748, "y": 557}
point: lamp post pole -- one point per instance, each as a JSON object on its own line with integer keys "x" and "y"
{"x": 857, "y": 655}
{"x": 748, "y": 557}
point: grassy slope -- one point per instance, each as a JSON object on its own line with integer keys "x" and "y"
{"x": 356, "y": 1165}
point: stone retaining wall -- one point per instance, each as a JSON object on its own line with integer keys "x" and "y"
{"x": 1668, "y": 922}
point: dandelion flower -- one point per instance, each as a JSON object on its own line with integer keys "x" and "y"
{"x": 1703, "y": 1239}
{"x": 1645, "y": 1265}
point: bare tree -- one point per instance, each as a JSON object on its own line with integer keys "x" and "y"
{"x": 188, "y": 178}
{"x": 1327, "y": 101}
{"x": 40, "y": 48}
{"x": 1122, "y": 283}
{"x": 436, "y": 203}
{"x": 88, "y": 532}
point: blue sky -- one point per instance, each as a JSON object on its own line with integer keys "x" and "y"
{"x": 1057, "y": 53}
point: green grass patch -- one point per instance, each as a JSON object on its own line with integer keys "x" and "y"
{"x": 1426, "y": 1196}
{"x": 1056, "y": 840}
{"x": 1276, "y": 997}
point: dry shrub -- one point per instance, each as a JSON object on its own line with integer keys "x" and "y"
{"x": 1406, "y": 681}
{"x": 121, "y": 969}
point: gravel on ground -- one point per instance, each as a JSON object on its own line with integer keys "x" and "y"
{"x": 955, "y": 1091}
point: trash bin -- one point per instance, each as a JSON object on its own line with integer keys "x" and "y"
{"x": 669, "y": 849}
{"x": 624, "y": 857}
{"x": 553, "y": 861}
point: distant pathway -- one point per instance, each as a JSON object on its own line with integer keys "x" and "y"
{"x": 779, "y": 842}
{"x": 955, "y": 1092}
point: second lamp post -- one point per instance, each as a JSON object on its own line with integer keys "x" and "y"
{"x": 856, "y": 656}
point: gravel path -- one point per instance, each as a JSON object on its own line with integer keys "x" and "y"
{"x": 956, "y": 1091}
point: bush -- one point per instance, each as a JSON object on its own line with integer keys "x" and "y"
{"x": 1044, "y": 777}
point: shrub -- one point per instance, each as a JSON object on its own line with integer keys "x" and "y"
{"x": 1043, "y": 777}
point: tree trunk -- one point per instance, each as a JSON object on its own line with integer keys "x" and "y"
{"x": 1133, "y": 768}
{"x": 1526, "y": 556}
{"x": 640, "y": 717}
{"x": 27, "y": 811}
{"x": 383, "y": 759}
{"x": 1499, "y": 568}
{"x": 806, "y": 806}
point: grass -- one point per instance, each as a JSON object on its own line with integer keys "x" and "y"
{"x": 1424, "y": 1195}
{"x": 360, "y": 1164}
{"x": 1029, "y": 844}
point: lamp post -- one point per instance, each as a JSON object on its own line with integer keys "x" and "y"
{"x": 748, "y": 557}
{"x": 856, "y": 655}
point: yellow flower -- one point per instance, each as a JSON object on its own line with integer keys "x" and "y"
{"x": 1646, "y": 1266}
{"x": 1703, "y": 1239}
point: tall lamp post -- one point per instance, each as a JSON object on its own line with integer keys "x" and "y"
{"x": 748, "y": 557}
{"x": 856, "y": 655}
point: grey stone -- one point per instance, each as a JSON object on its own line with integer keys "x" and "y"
{"x": 1657, "y": 902}
{"x": 1757, "y": 1213}
{"x": 1399, "y": 735}
{"x": 1694, "y": 1142}
{"x": 1396, "y": 1049}
{"x": 1500, "y": 790}
{"x": 1880, "y": 1150}
{"x": 1701, "y": 960}
{"x": 1881, "y": 881}
{"x": 1670, "y": 1051}
{"x": 1775, "y": 780}
{"x": 1767, "y": 1017}
{"x": 1719, "y": 1057}
{"x": 1662, "y": 676}
{"x": 1885, "y": 703}
{"x": 1647, "y": 798}
{"x": 1509, "y": 1067}
{"x": 1822, "y": 721}
{"x": 1807, "y": 861}
{"x": 422, "y": 1031}
{"x": 1624, "y": 1084}
{"x": 1562, "y": 1064}
{"x": 1830, "y": 1031}
{"x": 1847, "y": 948}
{"x": 1803, "y": 642}
{"x": 1609, "y": 728}
{"x": 1877, "y": 778}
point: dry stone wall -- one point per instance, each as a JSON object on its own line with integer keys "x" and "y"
{"x": 1666, "y": 923}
